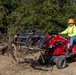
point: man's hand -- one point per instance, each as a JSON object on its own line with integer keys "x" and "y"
{"x": 59, "y": 33}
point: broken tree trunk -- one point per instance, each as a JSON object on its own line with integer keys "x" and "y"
{"x": 3, "y": 47}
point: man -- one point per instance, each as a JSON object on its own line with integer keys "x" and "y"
{"x": 71, "y": 31}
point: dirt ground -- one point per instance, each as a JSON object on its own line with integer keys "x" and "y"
{"x": 10, "y": 67}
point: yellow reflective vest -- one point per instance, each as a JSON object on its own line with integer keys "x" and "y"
{"x": 71, "y": 31}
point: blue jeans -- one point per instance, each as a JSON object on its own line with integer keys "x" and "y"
{"x": 72, "y": 40}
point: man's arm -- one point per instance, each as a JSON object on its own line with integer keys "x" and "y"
{"x": 64, "y": 32}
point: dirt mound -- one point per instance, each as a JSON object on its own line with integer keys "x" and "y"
{"x": 9, "y": 67}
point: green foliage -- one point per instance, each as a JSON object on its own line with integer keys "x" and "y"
{"x": 45, "y": 15}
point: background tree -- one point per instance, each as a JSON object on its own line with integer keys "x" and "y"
{"x": 45, "y": 15}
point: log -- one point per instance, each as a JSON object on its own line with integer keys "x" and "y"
{"x": 3, "y": 47}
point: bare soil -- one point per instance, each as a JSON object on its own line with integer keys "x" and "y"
{"x": 8, "y": 66}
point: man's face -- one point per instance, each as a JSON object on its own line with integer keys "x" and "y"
{"x": 71, "y": 24}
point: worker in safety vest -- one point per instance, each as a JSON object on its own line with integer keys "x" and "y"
{"x": 71, "y": 32}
